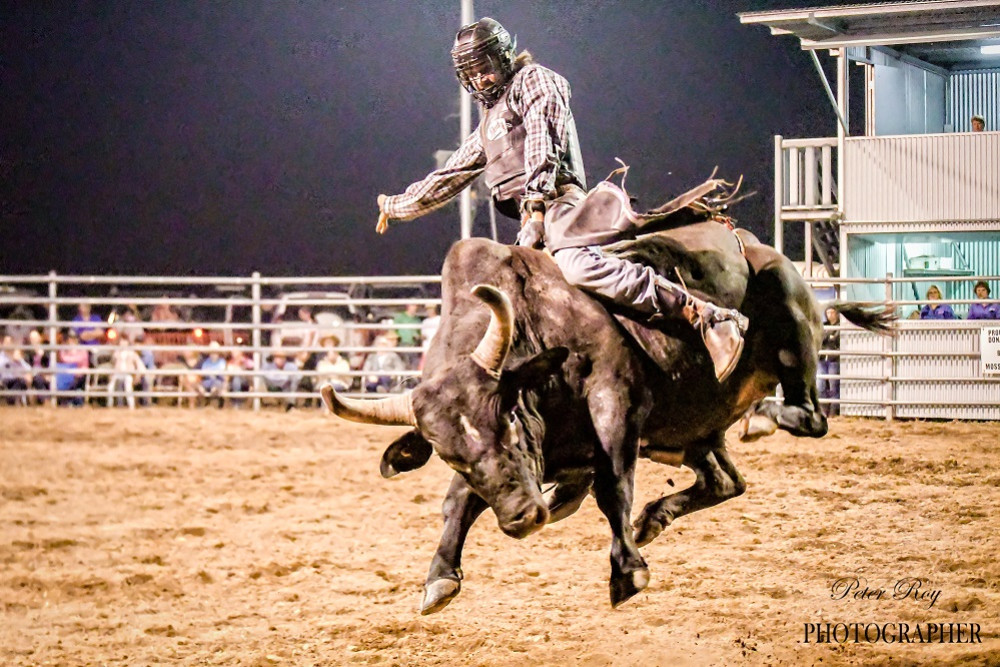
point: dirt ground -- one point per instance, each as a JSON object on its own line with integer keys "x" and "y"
{"x": 223, "y": 537}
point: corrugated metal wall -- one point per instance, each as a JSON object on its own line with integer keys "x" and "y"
{"x": 923, "y": 178}
{"x": 975, "y": 92}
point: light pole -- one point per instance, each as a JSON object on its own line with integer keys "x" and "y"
{"x": 465, "y": 123}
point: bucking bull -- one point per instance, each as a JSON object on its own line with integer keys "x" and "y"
{"x": 530, "y": 381}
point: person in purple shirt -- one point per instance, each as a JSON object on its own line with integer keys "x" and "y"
{"x": 88, "y": 335}
{"x": 984, "y": 311}
{"x": 935, "y": 310}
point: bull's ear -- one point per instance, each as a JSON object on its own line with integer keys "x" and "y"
{"x": 407, "y": 453}
{"x": 538, "y": 369}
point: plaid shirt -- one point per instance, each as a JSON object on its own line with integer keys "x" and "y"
{"x": 541, "y": 98}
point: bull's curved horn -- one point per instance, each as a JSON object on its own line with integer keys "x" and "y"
{"x": 391, "y": 411}
{"x": 493, "y": 348}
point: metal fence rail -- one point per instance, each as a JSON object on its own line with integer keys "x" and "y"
{"x": 928, "y": 368}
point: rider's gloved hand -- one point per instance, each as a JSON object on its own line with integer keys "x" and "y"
{"x": 383, "y": 218}
{"x": 532, "y": 231}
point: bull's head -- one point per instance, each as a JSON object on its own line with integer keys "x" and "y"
{"x": 466, "y": 411}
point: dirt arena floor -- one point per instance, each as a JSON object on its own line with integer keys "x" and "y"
{"x": 223, "y": 537}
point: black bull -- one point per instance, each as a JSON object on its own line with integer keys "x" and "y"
{"x": 560, "y": 390}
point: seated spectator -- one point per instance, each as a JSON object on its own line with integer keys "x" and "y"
{"x": 409, "y": 332}
{"x": 829, "y": 388}
{"x": 148, "y": 360}
{"x": 333, "y": 368}
{"x": 85, "y": 330}
{"x": 190, "y": 383}
{"x": 281, "y": 375}
{"x": 128, "y": 370}
{"x": 978, "y": 123}
{"x": 38, "y": 359}
{"x": 19, "y": 330}
{"x": 74, "y": 361}
{"x": 984, "y": 311}
{"x": 385, "y": 364}
{"x": 130, "y": 324}
{"x": 15, "y": 372}
{"x": 239, "y": 363}
{"x": 935, "y": 310}
{"x": 212, "y": 385}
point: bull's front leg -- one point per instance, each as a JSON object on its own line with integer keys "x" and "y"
{"x": 461, "y": 508}
{"x": 613, "y": 489}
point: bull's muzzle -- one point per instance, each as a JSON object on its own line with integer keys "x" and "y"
{"x": 529, "y": 519}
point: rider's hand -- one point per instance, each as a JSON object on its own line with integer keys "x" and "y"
{"x": 532, "y": 230}
{"x": 383, "y": 218}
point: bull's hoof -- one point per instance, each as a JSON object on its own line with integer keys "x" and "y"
{"x": 649, "y": 525}
{"x": 627, "y": 585}
{"x": 438, "y": 594}
{"x": 756, "y": 427}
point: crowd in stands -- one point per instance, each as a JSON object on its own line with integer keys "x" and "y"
{"x": 128, "y": 360}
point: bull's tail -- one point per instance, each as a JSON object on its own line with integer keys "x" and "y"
{"x": 878, "y": 319}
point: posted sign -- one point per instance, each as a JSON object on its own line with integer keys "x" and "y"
{"x": 989, "y": 350}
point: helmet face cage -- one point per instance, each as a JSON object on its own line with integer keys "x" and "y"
{"x": 476, "y": 55}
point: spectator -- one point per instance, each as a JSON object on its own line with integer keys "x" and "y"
{"x": 333, "y": 368}
{"x": 190, "y": 383}
{"x": 984, "y": 311}
{"x": 409, "y": 331}
{"x": 19, "y": 331}
{"x": 238, "y": 364}
{"x": 74, "y": 361}
{"x": 935, "y": 310}
{"x": 384, "y": 364}
{"x": 281, "y": 375}
{"x": 38, "y": 359}
{"x": 148, "y": 361}
{"x": 88, "y": 335}
{"x": 978, "y": 123}
{"x": 128, "y": 369}
{"x": 212, "y": 385}
{"x": 829, "y": 388}
{"x": 15, "y": 372}
{"x": 130, "y": 323}
{"x": 164, "y": 314}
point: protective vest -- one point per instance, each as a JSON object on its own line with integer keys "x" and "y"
{"x": 503, "y": 134}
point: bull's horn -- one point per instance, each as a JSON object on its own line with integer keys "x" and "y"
{"x": 391, "y": 411}
{"x": 492, "y": 349}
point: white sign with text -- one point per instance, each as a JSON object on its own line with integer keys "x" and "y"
{"x": 989, "y": 350}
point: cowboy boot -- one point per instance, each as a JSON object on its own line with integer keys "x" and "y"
{"x": 721, "y": 329}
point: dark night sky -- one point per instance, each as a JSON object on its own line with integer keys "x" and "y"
{"x": 218, "y": 138}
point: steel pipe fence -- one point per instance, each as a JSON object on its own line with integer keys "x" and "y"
{"x": 875, "y": 373}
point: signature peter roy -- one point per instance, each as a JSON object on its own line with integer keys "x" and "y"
{"x": 907, "y": 588}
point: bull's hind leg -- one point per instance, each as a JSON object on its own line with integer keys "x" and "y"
{"x": 444, "y": 581}
{"x": 717, "y": 479}
{"x": 613, "y": 489}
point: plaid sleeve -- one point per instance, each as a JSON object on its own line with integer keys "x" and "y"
{"x": 544, "y": 105}
{"x": 440, "y": 186}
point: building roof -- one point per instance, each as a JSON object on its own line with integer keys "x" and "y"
{"x": 947, "y": 33}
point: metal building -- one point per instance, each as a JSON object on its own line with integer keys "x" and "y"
{"x": 909, "y": 196}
